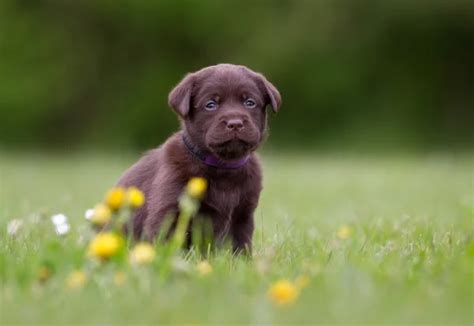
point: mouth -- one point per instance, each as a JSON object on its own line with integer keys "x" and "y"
{"x": 232, "y": 149}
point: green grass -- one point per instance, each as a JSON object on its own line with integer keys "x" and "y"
{"x": 410, "y": 257}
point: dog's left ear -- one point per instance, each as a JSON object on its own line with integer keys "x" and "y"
{"x": 272, "y": 93}
{"x": 180, "y": 97}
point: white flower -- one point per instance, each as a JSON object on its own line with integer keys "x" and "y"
{"x": 180, "y": 265}
{"x": 13, "y": 226}
{"x": 62, "y": 229}
{"x": 59, "y": 219}
{"x": 89, "y": 213}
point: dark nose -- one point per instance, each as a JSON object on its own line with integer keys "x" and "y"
{"x": 235, "y": 124}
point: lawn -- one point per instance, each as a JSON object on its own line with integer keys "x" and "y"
{"x": 382, "y": 239}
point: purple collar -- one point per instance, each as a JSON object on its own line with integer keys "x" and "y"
{"x": 212, "y": 160}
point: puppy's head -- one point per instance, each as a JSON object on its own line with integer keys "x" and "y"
{"x": 222, "y": 108}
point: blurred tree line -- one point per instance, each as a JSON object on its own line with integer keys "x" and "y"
{"x": 351, "y": 73}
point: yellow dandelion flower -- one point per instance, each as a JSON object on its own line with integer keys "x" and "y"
{"x": 44, "y": 273}
{"x": 120, "y": 278}
{"x": 135, "y": 198}
{"x": 142, "y": 254}
{"x": 105, "y": 245}
{"x": 196, "y": 187}
{"x": 204, "y": 268}
{"x": 76, "y": 280}
{"x": 101, "y": 215}
{"x": 344, "y": 232}
{"x": 115, "y": 198}
{"x": 302, "y": 281}
{"x": 283, "y": 292}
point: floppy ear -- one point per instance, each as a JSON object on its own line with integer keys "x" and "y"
{"x": 272, "y": 93}
{"x": 180, "y": 97}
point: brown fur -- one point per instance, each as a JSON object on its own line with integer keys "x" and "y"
{"x": 232, "y": 194}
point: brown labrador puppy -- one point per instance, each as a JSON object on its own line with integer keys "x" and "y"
{"x": 223, "y": 119}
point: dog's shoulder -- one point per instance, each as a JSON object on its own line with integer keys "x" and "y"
{"x": 255, "y": 163}
{"x": 254, "y": 168}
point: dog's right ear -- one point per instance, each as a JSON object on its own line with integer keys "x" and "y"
{"x": 180, "y": 97}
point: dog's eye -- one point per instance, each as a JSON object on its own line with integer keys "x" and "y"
{"x": 249, "y": 103}
{"x": 211, "y": 105}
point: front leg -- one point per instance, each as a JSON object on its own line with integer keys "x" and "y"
{"x": 242, "y": 231}
{"x": 163, "y": 204}
{"x": 242, "y": 217}
{"x": 155, "y": 221}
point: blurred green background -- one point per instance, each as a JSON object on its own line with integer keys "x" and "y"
{"x": 353, "y": 74}
{"x": 92, "y": 77}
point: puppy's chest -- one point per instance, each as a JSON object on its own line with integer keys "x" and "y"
{"x": 223, "y": 199}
